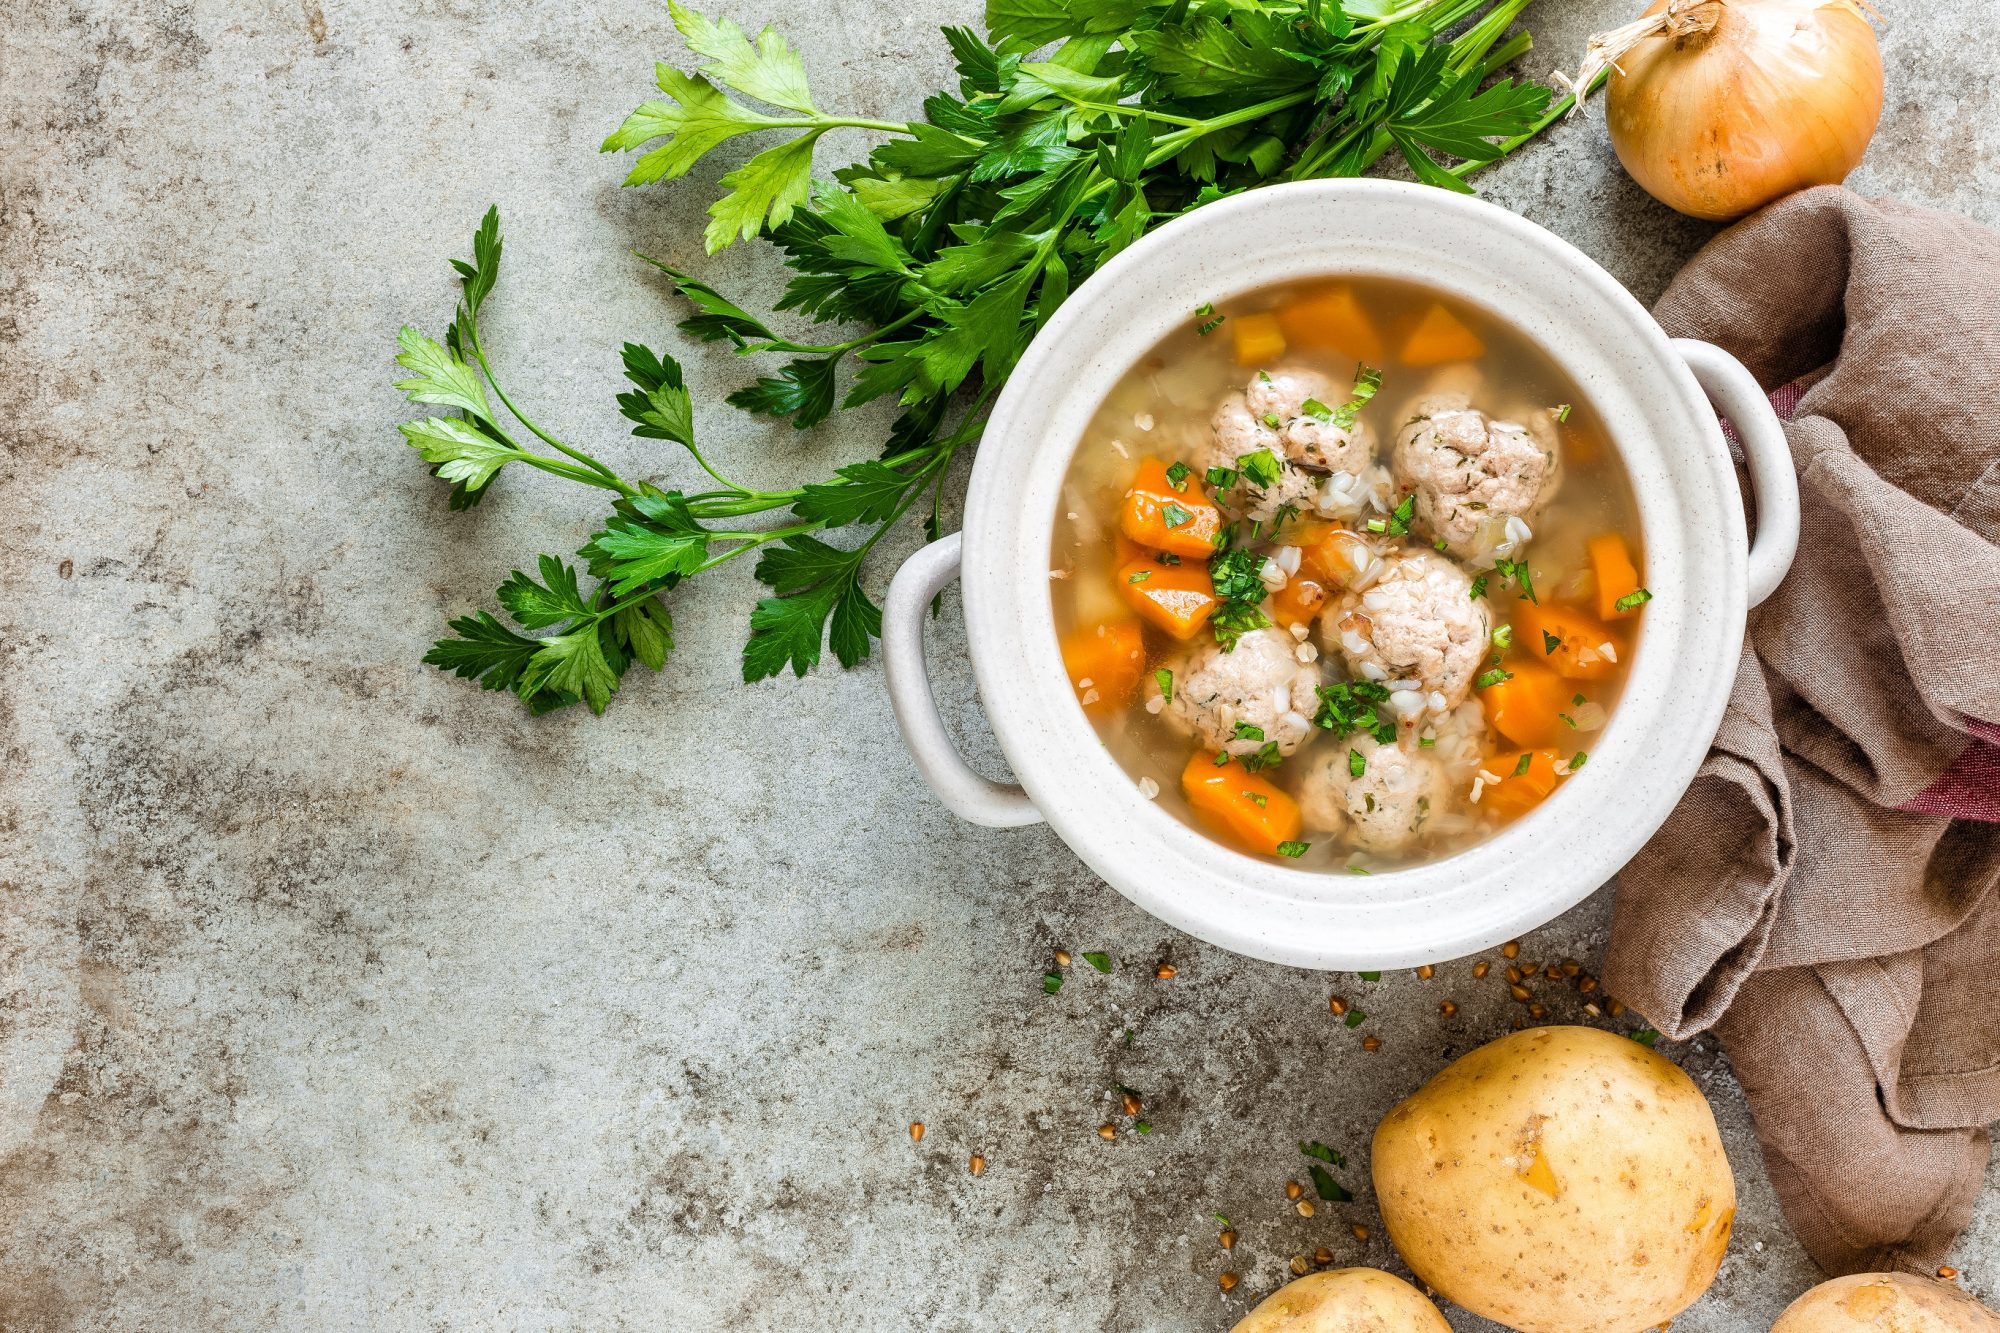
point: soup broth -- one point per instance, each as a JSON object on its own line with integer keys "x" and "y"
{"x": 1347, "y": 574}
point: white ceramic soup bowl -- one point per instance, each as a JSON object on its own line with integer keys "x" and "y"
{"x": 1649, "y": 392}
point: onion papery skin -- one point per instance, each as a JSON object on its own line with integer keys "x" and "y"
{"x": 1777, "y": 96}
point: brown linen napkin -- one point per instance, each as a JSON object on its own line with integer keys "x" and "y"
{"x": 1824, "y": 896}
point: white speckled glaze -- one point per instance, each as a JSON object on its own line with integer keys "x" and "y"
{"x": 1644, "y": 388}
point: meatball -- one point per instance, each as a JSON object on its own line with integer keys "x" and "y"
{"x": 1417, "y": 629}
{"x": 1478, "y": 482}
{"x": 1270, "y": 413}
{"x": 1261, "y": 682}
{"x": 1386, "y": 807}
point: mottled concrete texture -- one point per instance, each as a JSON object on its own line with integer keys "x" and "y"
{"x": 335, "y": 993}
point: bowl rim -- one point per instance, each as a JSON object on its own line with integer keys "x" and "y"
{"x": 1533, "y": 870}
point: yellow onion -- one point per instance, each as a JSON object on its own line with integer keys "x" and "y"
{"x": 1717, "y": 107}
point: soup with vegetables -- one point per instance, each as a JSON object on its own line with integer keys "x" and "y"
{"x": 1347, "y": 574}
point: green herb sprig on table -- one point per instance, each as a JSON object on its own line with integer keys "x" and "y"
{"x": 948, "y": 247}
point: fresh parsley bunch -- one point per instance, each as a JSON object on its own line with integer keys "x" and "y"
{"x": 949, "y": 246}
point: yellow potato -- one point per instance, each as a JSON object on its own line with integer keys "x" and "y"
{"x": 1886, "y": 1303}
{"x": 1345, "y": 1300}
{"x": 1558, "y": 1180}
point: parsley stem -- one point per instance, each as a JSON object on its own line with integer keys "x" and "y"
{"x": 1168, "y": 145}
{"x": 1469, "y": 48}
{"x": 471, "y": 328}
{"x": 734, "y": 504}
{"x": 785, "y": 345}
{"x": 833, "y": 123}
{"x": 701, "y": 462}
{"x": 1148, "y": 113}
{"x": 1506, "y": 54}
{"x": 562, "y": 469}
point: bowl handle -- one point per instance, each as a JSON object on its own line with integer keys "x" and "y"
{"x": 964, "y": 792}
{"x": 1735, "y": 393}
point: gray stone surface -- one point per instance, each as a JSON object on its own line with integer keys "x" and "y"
{"x": 335, "y": 993}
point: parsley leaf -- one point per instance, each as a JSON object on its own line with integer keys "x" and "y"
{"x": 1517, "y": 570}
{"x": 1319, "y": 1151}
{"x": 1329, "y": 1189}
{"x": 1350, "y": 706}
{"x": 803, "y": 391}
{"x": 819, "y": 600}
{"x": 440, "y": 376}
{"x": 662, "y": 408}
{"x": 1367, "y": 381}
{"x": 1261, "y": 468}
{"x": 463, "y": 455}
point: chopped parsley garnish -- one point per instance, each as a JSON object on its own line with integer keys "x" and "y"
{"x": 1329, "y": 1189}
{"x": 1318, "y": 411}
{"x": 1208, "y": 325}
{"x": 1439, "y": 545}
{"x": 1521, "y": 765}
{"x": 1479, "y": 586}
{"x": 1205, "y": 309}
{"x": 1637, "y": 597}
{"x": 1320, "y": 1151}
{"x": 1359, "y": 870}
{"x": 1294, "y": 849}
{"x": 1369, "y": 976}
{"x": 1100, "y": 961}
{"x": 1549, "y": 644}
{"x": 1139, "y": 576}
{"x": 1221, "y": 758}
{"x": 1357, "y": 763}
{"x": 1164, "y": 678}
{"x": 1238, "y": 576}
{"x": 1426, "y": 742}
{"x": 1261, "y": 467}
{"x": 1562, "y": 412}
{"x": 1263, "y": 377}
{"x": 1578, "y": 760}
{"x": 1248, "y": 731}
{"x": 1175, "y": 516}
{"x": 1645, "y": 1036}
{"x": 1517, "y": 570}
{"x": 1051, "y": 982}
{"x": 1144, "y": 1127}
{"x": 1222, "y": 1219}
{"x": 1576, "y": 698}
{"x": 1236, "y": 619}
{"x": 1568, "y": 721}
{"x": 1399, "y": 517}
{"x": 1258, "y": 799}
{"x": 1355, "y": 1018}
{"x": 1488, "y": 679}
{"x": 1220, "y": 478}
{"x": 1177, "y": 475}
{"x": 1367, "y": 380}
{"x": 1267, "y": 756}
{"x": 1273, "y": 420}
{"x": 1503, "y": 637}
{"x": 1348, "y": 707}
